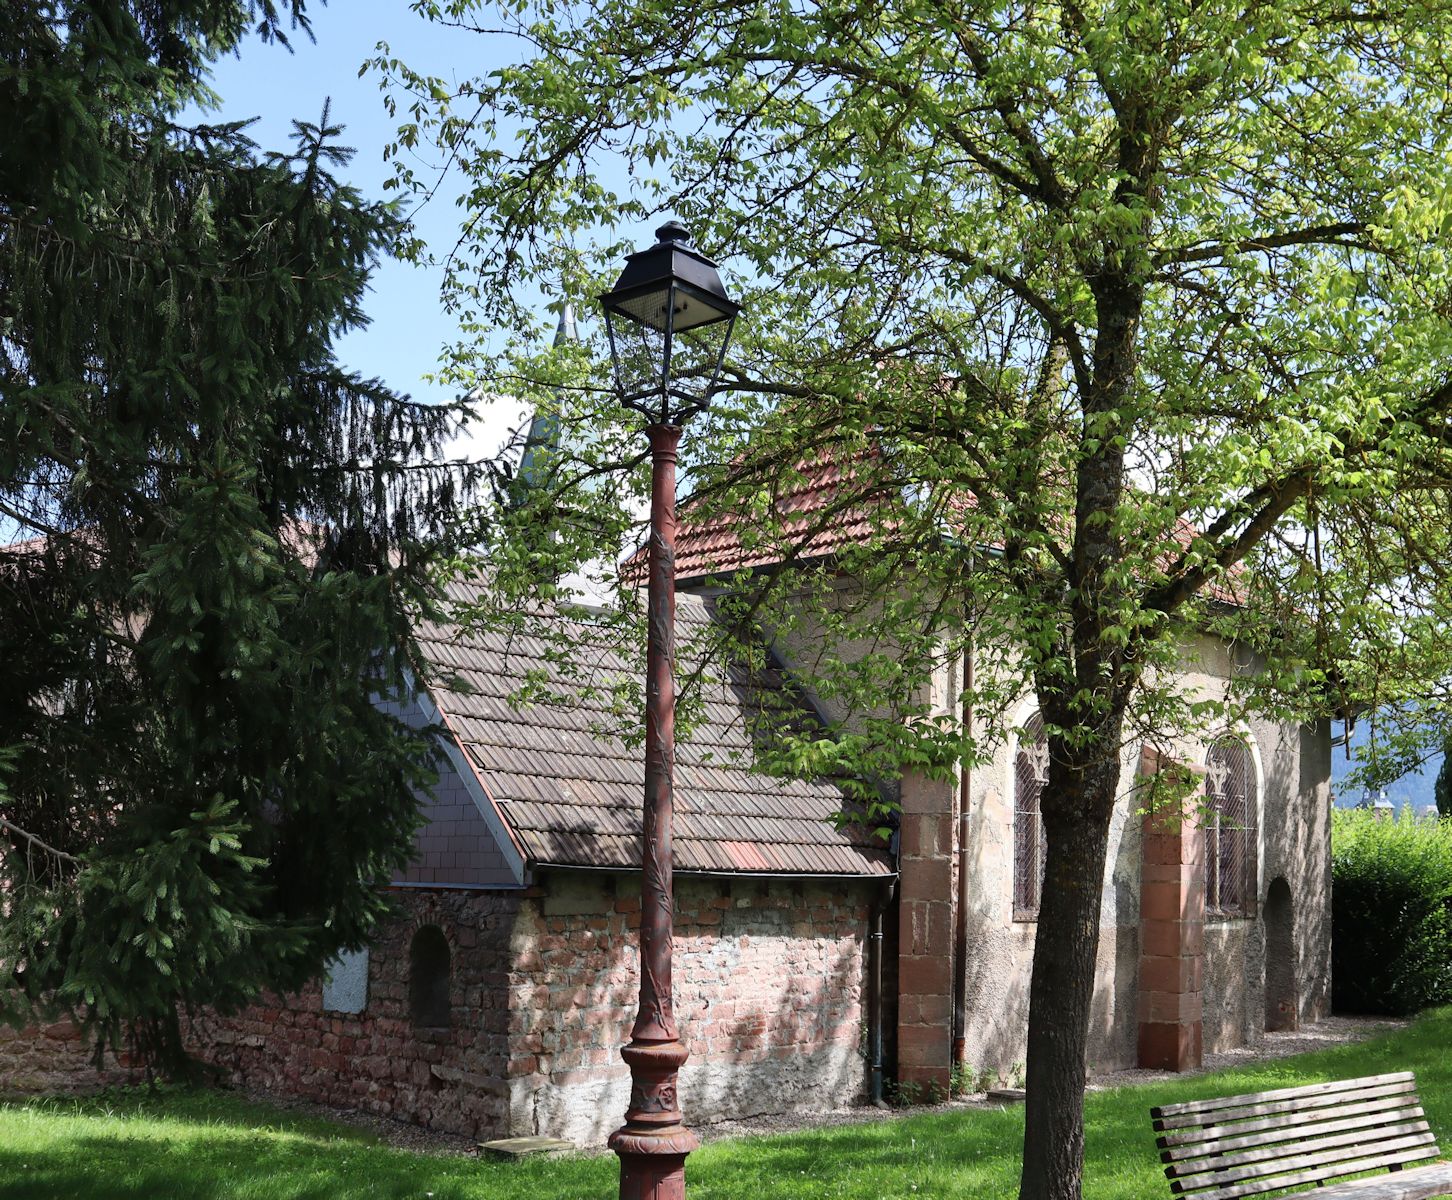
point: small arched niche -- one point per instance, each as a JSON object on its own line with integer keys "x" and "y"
{"x": 428, "y": 979}
{"x": 1280, "y": 958}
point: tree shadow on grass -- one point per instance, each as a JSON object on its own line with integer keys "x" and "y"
{"x": 209, "y": 1147}
{"x": 214, "y": 1148}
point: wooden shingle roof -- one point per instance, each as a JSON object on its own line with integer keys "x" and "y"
{"x": 570, "y": 789}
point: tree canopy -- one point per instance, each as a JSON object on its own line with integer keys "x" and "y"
{"x": 215, "y": 534}
{"x": 1130, "y": 319}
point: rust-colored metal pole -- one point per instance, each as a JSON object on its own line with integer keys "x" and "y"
{"x": 653, "y": 1142}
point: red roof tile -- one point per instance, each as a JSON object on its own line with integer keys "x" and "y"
{"x": 818, "y": 517}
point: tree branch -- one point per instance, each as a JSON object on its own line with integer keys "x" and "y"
{"x": 37, "y": 843}
{"x": 1332, "y": 234}
{"x": 1010, "y": 113}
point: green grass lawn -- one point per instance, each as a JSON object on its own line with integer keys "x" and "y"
{"x": 145, "y": 1146}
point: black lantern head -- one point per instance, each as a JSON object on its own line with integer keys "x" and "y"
{"x": 669, "y": 321}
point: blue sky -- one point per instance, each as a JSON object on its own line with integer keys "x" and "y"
{"x": 276, "y": 86}
{"x": 1415, "y": 788}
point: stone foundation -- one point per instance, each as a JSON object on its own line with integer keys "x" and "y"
{"x": 769, "y": 983}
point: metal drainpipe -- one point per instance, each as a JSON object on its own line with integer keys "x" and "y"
{"x": 874, "y": 996}
{"x": 960, "y": 930}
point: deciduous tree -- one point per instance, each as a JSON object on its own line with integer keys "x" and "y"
{"x": 1119, "y": 320}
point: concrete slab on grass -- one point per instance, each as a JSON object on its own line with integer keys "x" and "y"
{"x": 523, "y": 1147}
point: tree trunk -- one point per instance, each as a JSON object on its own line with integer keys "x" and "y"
{"x": 159, "y": 1044}
{"x": 1077, "y": 805}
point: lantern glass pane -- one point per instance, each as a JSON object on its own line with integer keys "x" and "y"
{"x": 696, "y": 359}
{"x": 639, "y": 352}
{"x": 647, "y": 308}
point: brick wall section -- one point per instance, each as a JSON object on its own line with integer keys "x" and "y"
{"x": 1172, "y": 932}
{"x": 769, "y": 985}
{"x": 55, "y": 1058}
{"x": 375, "y": 1060}
{"x": 925, "y": 933}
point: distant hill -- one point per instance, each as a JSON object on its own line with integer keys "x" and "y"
{"x": 1415, "y": 788}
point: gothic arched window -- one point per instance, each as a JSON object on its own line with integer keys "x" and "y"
{"x": 1030, "y": 773}
{"x": 1230, "y": 841}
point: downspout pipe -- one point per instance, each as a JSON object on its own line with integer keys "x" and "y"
{"x": 880, "y": 904}
{"x": 960, "y": 915}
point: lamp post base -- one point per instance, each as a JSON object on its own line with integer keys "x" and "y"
{"x": 653, "y": 1143}
{"x": 653, "y": 1173}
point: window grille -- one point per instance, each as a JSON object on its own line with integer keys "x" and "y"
{"x": 1030, "y": 774}
{"x": 1230, "y": 833}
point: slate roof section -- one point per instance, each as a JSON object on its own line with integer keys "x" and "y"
{"x": 570, "y": 790}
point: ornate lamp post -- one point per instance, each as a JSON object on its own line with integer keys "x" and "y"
{"x": 669, "y": 321}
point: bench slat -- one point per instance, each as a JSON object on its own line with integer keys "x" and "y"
{"x": 1290, "y": 1132}
{"x": 1311, "y": 1089}
{"x": 1249, "y": 1108}
{"x": 1420, "y": 1183}
{"x": 1286, "y": 1150}
{"x": 1338, "y": 1161}
{"x": 1313, "y": 1176}
{"x": 1212, "y": 1134}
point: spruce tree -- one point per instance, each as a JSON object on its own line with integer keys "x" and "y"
{"x": 216, "y": 536}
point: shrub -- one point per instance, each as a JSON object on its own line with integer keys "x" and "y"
{"x": 1391, "y": 913}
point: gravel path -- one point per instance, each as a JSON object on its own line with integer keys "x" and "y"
{"x": 1333, "y": 1031}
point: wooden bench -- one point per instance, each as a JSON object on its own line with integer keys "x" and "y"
{"x": 1269, "y": 1141}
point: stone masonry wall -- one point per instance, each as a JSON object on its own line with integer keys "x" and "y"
{"x": 769, "y": 983}
{"x": 926, "y": 907}
{"x": 1293, "y": 773}
{"x": 769, "y": 986}
{"x": 55, "y": 1058}
{"x": 451, "y": 1079}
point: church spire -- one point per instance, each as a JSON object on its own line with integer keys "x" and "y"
{"x": 543, "y": 441}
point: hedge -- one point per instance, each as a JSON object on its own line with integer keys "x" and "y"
{"x": 1391, "y": 912}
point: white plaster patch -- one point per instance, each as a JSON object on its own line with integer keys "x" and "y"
{"x": 345, "y": 982}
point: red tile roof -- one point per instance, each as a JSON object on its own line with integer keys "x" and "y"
{"x": 817, "y": 518}
{"x": 570, "y": 788}
{"x": 816, "y": 521}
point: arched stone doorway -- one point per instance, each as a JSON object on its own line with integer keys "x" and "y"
{"x": 1280, "y": 958}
